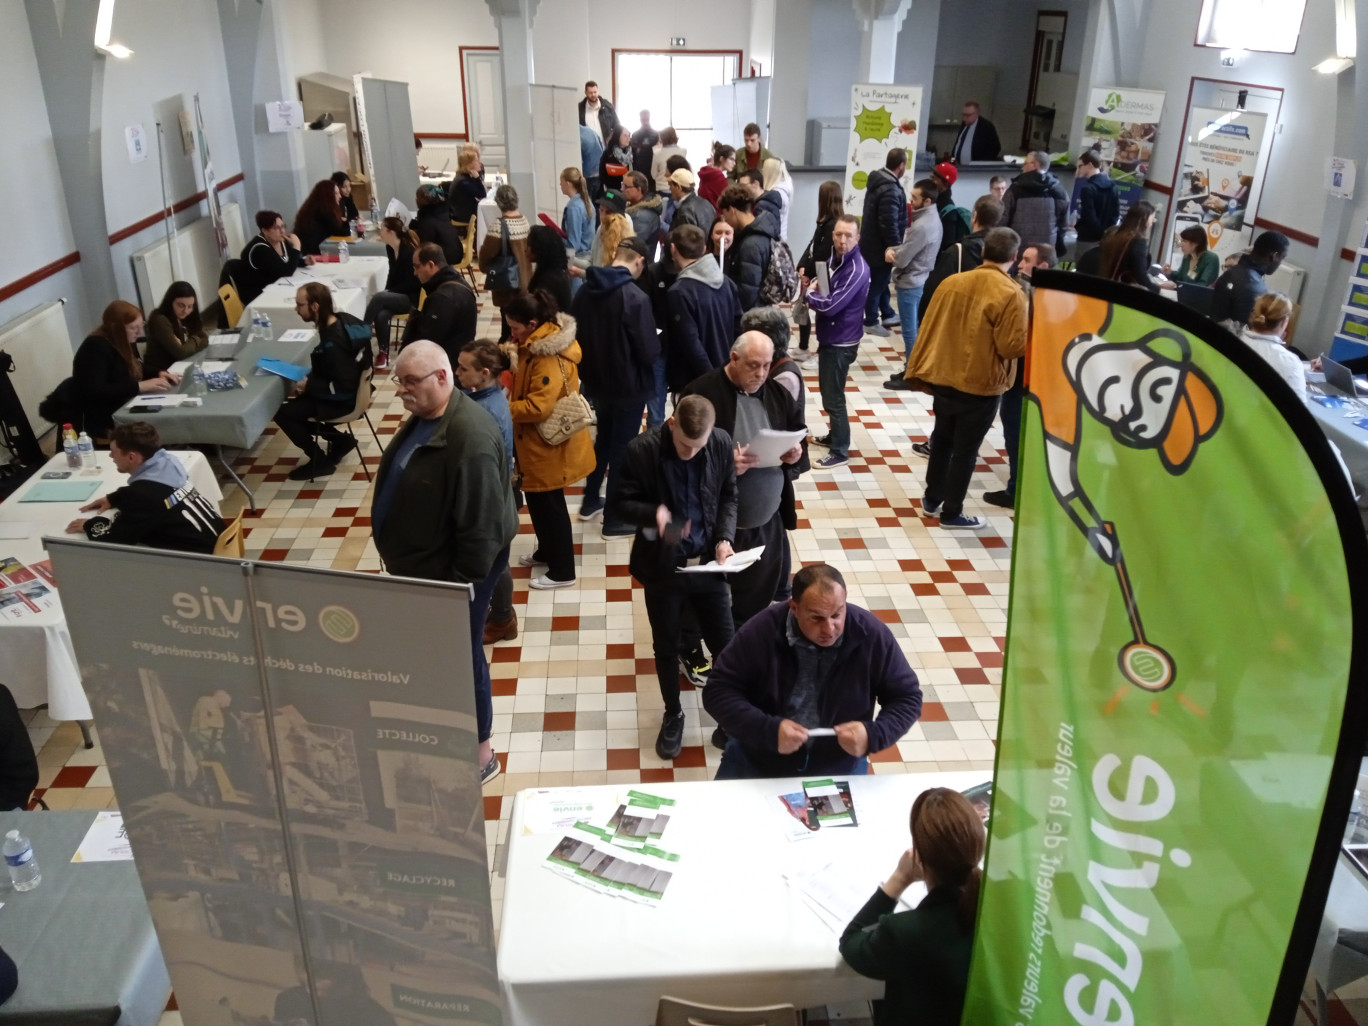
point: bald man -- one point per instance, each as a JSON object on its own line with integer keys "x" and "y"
{"x": 443, "y": 507}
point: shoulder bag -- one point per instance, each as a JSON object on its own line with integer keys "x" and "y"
{"x": 504, "y": 274}
{"x": 571, "y": 414}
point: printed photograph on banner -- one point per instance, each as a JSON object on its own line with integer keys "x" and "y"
{"x": 1216, "y": 189}
{"x": 1120, "y": 126}
{"x": 882, "y": 117}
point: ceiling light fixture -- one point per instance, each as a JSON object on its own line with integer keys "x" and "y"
{"x": 104, "y": 28}
{"x": 1334, "y": 65}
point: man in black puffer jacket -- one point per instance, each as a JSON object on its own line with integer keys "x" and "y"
{"x": 749, "y": 257}
{"x": 1036, "y": 206}
{"x": 449, "y": 313}
{"x": 881, "y": 227}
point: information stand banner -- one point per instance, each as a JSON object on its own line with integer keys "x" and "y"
{"x": 295, "y": 755}
{"x": 1217, "y": 190}
{"x": 1121, "y": 126}
{"x": 882, "y": 117}
{"x": 1184, "y": 689}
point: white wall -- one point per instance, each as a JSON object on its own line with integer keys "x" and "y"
{"x": 835, "y": 60}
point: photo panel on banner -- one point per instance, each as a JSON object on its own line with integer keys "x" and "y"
{"x": 882, "y": 117}
{"x": 1351, "y": 335}
{"x": 1121, "y": 125}
{"x": 1219, "y": 184}
{"x": 328, "y": 854}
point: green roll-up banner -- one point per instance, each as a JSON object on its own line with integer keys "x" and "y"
{"x": 1183, "y": 707}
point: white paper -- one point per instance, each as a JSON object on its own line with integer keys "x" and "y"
{"x": 821, "y": 732}
{"x": 17, "y": 529}
{"x": 105, "y": 841}
{"x": 737, "y": 562}
{"x": 160, "y": 399}
{"x": 555, "y": 812}
{"x": 180, "y": 367}
{"x": 768, "y": 445}
{"x": 213, "y": 366}
{"x": 296, "y": 335}
{"x": 135, "y": 137}
{"x": 397, "y": 209}
{"x": 230, "y": 338}
{"x": 284, "y": 115}
{"x": 823, "y": 278}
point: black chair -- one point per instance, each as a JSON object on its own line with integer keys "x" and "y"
{"x": 232, "y": 269}
{"x": 18, "y": 761}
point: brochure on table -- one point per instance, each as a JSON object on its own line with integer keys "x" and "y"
{"x": 25, "y": 590}
{"x": 882, "y": 117}
{"x": 596, "y": 855}
{"x": 1218, "y": 189}
{"x": 1121, "y": 125}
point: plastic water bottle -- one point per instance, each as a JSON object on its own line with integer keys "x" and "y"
{"x": 343, "y": 253}
{"x": 23, "y": 867}
{"x": 87, "y": 449}
{"x": 71, "y": 446}
{"x": 196, "y": 385}
{"x": 267, "y": 332}
{"x": 375, "y": 214}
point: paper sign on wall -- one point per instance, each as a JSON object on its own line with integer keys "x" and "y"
{"x": 284, "y": 115}
{"x": 136, "y": 138}
{"x": 1339, "y": 176}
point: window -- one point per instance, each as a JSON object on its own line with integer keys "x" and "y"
{"x": 1269, "y": 25}
{"x": 677, "y": 89}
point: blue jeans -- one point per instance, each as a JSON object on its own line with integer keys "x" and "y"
{"x": 907, "y": 314}
{"x": 618, "y": 424}
{"x": 655, "y": 404}
{"x": 876, "y": 302}
{"x": 737, "y": 765}
{"x": 833, "y": 368}
{"x": 479, "y": 613}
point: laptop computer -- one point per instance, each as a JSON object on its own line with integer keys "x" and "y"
{"x": 1195, "y": 297}
{"x": 225, "y": 345}
{"x": 1341, "y": 378}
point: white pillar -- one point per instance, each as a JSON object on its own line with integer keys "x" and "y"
{"x": 880, "y": 22}
{"x": 514, "y": 19}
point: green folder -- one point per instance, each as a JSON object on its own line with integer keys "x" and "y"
{"x": 62, "y": 491}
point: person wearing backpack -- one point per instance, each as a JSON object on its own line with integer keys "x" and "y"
{"x": 1099, "y": 207}
{"x": 336, "y": 367}
{"x": 748, "y": 260}
{"x": 881, "y": 227}
{"x": 448, "y": 315}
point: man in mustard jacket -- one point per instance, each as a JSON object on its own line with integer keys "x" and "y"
{"x": 966, "y": 353}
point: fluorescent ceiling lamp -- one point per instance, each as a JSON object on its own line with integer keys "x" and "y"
{"x": 1334, "y": 65}
{"x": 104, "y": 27}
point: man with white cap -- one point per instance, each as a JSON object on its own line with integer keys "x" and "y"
{"x": 690, "y": 207}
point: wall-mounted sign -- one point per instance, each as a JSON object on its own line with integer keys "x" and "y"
{"x": 136, "y": 138}
{"x": 284, "y": 115}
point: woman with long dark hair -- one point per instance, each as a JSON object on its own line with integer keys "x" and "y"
{"x": 923, "y": 955}
{"x": 320, "y": 217}
{"x": 106, "y": 371}
{"x": 1123, "y": 254}
{"x": 830, "y": 205}
{"x": 174, "y": 331}
{"x": 552, "y": 270}
{"x": 400, "y": 294}
{"x": 547, "y": 369}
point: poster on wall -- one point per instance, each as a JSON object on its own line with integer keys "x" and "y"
{"x": 882, "y": 117}
{"x": 1216, "y": 190}
{"x": 1121, "y": 125}
{"x": 1145, "y": 733}
{"x": 299, "y": 785}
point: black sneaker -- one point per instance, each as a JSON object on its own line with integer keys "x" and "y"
{"x": 612, "y": 529}
{"x": 1004, "y": 498}
{"x": 898, "y": 383}
{"x": 340, "y": 448}
{"x": 320, "y": 467}
{"x": 922, "y": 449}
{"x": 821, "y": 440}
{"x": 695, "y": 667}
{"x": 719, "y": 738}
{"x": 671, "y": 737}
{"x": 491, "y": 769}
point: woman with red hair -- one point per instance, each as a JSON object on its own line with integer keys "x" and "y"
{"x": 107, "y": 372}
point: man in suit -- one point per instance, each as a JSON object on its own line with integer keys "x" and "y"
{"x": 978, "y": 139}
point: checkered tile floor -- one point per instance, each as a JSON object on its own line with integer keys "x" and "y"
{"x": 575, "y": 696}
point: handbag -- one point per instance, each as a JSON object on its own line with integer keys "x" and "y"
{"x": 571, "y": 414}
{"x": 504, "y": 275}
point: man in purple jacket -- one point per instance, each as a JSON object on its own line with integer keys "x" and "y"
{"x": 840, "y": 326}
{"x": 813, "y": 664}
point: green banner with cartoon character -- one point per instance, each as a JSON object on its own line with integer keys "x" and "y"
{"x": 1183, "y": 707}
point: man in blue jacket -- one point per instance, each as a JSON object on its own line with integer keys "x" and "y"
{"x": 883, "y": 221}
{"x": 617, "y": 334}
{"x": 703, "y": 311}
{"x": 816, "y": 663}
{"x": 839, "y": 310}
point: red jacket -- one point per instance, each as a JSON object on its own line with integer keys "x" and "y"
{"x": 711, "y": 182}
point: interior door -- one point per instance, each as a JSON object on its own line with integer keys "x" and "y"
{"x": 482, "y": 74}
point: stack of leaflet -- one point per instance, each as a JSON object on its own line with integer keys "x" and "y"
{"x": 595, "y": 856}
{"x": 835, "y": 897}
{"x": 821, "y": 803}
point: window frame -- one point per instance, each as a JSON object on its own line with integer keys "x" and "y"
{"x": 671, "y": 52}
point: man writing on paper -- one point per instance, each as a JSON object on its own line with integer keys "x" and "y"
{"x": 158, "y": 507}
{"x": 678, "y": 487}
{"x": 814, "y": 664}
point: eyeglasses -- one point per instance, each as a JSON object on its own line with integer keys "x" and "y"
{"x": 409, "y": 382}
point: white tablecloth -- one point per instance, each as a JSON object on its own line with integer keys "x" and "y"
{"x": 486, "y": 216}
{"x": 37, "y": 661}
{"x": 352, "y": 284}
{"x": 729, "y": 929}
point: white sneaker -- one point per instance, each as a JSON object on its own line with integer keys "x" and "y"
{"x": 809, "y": 362}
{"x": 530, "y": 561}
{"x": 544, "y": 583}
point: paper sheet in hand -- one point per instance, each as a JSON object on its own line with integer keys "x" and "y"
{"x": 823, "y": 278}
{"x": 288, "y": 371}
{"x": 821, "y": 732}
{"x": 737, "y": 562}
{"x": 296, "y": 335}
{"x": 768, "y": 445}
{"x": 105, "y": 841}
{"x": 61, "y": 491}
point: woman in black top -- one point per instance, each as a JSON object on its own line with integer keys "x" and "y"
{"x": 320, "y": 217}
{"x": 174, "y": 331}
{"x": 1124, "y": 254}
{"x": 468, "y": 187}
{"x": 830, "y": 205}
{"x": 401, "y": 287}
{"x": 552, "y": 272}
{"x": 106, "y": 372}
{"x": 433, "y": 223}
{"x": 344, "y": 196}
{"x": 273, "y": 254}
{"x": 619, "y": 152}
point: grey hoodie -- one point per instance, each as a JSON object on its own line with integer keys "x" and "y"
{"x": 162, "y": 468}
{"x": 704, "y": 270}
{"x": 913, "y": 260}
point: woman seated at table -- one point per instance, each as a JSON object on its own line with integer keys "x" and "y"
{"x": 344, "y": 196}
{"x": 512, "y": 221}
{"x": 106, "y": 372}
{"x": 468, "y": 187}
{"x": 273, "y": 254}
{"x": 174, "y": 331}
{"x": 432, "y": 223}
{"x": 1199, "y": 266}
{"x": 320, "y": 217}
{"x": 1266, "y": 334}
{"x": 400, "y": 295}
{"x": 922, "y": 955}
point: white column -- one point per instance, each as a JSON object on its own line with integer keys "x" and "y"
{"x": 880, "y": 22}
{"x": 514, "y": 19}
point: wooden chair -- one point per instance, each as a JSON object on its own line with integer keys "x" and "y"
{"x": 232, "y": 305}
{"x": 361, "y": 411}
{"x": 467, "y": 264}
{"x": 677, "y": 1012}
{"x": 230, "y": 541}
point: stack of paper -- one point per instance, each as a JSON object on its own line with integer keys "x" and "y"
{"x": 640, "y": 878}
{"x": 834, "y": 896}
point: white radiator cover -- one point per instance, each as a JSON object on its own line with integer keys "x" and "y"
{"x": 197, "y": 259}
{"x": 40, "y": 344}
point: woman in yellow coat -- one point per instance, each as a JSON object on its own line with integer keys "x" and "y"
{"x": 547, "y": 369}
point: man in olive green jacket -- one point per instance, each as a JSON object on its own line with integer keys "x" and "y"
{"x": 966, "y": 353}
{"x": 443, "y": 507}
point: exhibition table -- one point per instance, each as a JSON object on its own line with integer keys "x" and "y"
{"x": 82, "y": 939}
{"x": 728, "y": 930}
{"x": 234, "y": 418}
{"x": 37, "y": 661}
{"x": 352, "y": 284}
{"x": 1339, "y": 426}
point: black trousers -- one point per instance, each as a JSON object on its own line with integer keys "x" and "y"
{"x": 962, "y": 422}
{"x": 294, "y": 420}
{"x": 555, "y": 543}
{"x": 709, "y": 599}
{"x": 754, "y": 587}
